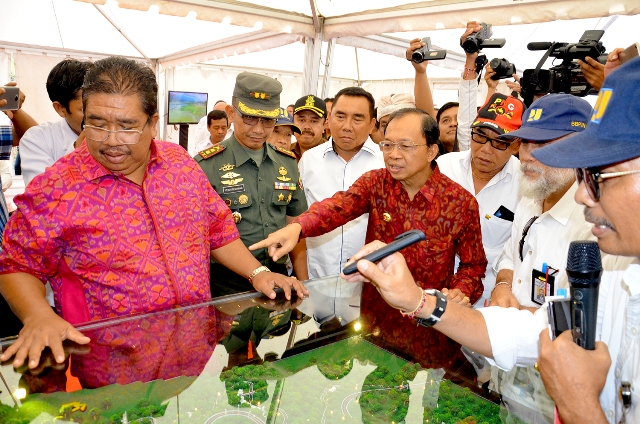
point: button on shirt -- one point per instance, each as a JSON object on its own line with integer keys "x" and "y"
{"x": 514, "y": 334}
{"x": 323, "y": 173}
{"x": 444, "y": 211}
{"x": 110, "y": 247}
{"x": 501, "y": 190}
{"x": 44, "y": 144}
{"x": 264, "y": 195}
{"x": 547, "y": 242}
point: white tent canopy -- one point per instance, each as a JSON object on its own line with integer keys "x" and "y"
{"x": 315, "y": 46}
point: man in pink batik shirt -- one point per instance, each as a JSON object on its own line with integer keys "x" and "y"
{"x": 124, "y": 224}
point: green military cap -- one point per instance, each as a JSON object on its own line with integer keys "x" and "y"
{"x": 257, "y": 95}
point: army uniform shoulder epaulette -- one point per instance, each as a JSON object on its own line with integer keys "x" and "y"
{"x": 211, "y": 151}
{"x": 283, "y": 151}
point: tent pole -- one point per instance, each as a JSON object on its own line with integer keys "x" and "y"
{"x": 126, "y": 37}
{"x": 328, "y": 66}
{"x": 357, "y": 66}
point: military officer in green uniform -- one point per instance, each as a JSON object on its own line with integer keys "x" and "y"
{"x": 257, "y": 181}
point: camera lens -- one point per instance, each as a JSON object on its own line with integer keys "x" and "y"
{"x": 418, "y": 56}
{"x": 471, "y": 44}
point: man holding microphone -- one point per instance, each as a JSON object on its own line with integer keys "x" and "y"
{"x": 582, "y": 383}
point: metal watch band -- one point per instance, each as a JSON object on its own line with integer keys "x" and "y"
{"x": 441, "y": 306}
{"x": 256, "y": 272}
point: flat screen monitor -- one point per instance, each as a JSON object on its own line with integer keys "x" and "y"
{"x": 186, "y": 107}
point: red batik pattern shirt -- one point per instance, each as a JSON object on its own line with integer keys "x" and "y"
{"x": 442, "y": 209}
{"x": 110, "y": 247}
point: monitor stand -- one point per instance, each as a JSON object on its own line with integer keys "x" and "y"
{"x": 184, "y": 136}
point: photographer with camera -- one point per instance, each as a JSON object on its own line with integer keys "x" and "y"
{"x": 492, "y": 78}
{"x": 468, "y": 92}
{"x": 447, "y": 115}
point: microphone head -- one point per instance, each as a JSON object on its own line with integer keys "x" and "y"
{"x": 539, "y": 45}
{"x": 584, "y": 256}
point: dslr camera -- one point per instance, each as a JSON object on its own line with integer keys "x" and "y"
{"x": 426, "y": 53}
{"x": 566, "y": 77}
{"x": 481, "y": 40}
{"x": 503, "y": 68}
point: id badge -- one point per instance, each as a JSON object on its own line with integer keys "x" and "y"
{"x": 541, "y": 286}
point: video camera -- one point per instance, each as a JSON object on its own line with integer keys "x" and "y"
{"x": 566, "y": 77}
{"x": 425, "y": 52}
{"x": 503, "y": 68}
{"x": 481, "y": 40}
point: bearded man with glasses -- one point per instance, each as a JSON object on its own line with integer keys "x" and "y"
{"x": 532, "y": 264}
{"x": 259, "y": 182}
{"x": 124, "y": 224}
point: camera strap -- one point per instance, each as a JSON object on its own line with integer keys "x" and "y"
{"x": 533, "y": 80}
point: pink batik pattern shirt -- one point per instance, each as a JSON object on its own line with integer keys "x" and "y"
{"x": 110, "y": 247}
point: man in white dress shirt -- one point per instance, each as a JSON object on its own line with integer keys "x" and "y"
{"x": 490, "y": 171}
{"x": 203, "y": 133}
{"x": 44, "y": 144}
{"x": 335, "y": 166}
{"x": 585, "y": 385}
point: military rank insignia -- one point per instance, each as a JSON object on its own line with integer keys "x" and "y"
{"x": 211, "y": 151}
{"x": 284, "y": 186}
{"x": 285, "y": 151}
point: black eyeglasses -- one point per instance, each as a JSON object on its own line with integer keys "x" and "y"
{"x": 253, "y": 120}
{"x": 481, "y": 138}
{"x": 592, "y": 178}
{"x": 525, "y": 231}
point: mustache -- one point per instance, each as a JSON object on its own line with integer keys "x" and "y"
{"x": 596, "y": 221}
{"x": 308, "y": 132}
{"x": 115, "y": 151}
{"x": 527, "y": 167}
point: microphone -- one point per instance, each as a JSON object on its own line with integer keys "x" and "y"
{"x": 539, "y": 45}
{"x": 584, "y": 269}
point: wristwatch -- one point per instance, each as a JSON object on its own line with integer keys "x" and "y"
{"x": 441, "y": 306}
{"x": 256, "y": 272}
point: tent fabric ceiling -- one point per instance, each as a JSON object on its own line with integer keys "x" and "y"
{"x": 184, "y": 32}
{"x": 180, "y": 32}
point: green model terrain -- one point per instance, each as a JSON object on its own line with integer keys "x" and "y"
{"x": 350, "y": 381}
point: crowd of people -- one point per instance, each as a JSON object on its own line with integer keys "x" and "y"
{"x": 115, "y": 222}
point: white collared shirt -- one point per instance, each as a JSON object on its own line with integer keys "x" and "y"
{"x": 203, "y": 136}
{"x": 501, "y": 190}
{"x": 324, "y": 173}
{"x": 547, "y": 242}
{"x": 514, "y": 334}
{"x": 43, "y": 145}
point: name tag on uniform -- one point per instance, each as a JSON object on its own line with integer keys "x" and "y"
{"x": 233, "y": 189}
{"x": 284, "y": 186}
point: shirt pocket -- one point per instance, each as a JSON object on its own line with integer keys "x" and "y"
{"x": 281, "y": 197}
{"x": 495, "y": 232}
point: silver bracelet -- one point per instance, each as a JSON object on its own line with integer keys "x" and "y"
{"x": 500, "y": 283}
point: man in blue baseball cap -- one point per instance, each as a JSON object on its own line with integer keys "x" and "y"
{"x": 546, "y": 219}
{"x": 606, "y": 157}
{"x": 532, "y": 263}
{"x": 585, "y": 385}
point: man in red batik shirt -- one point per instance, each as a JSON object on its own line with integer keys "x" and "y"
{"x": 410, "y": 193}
